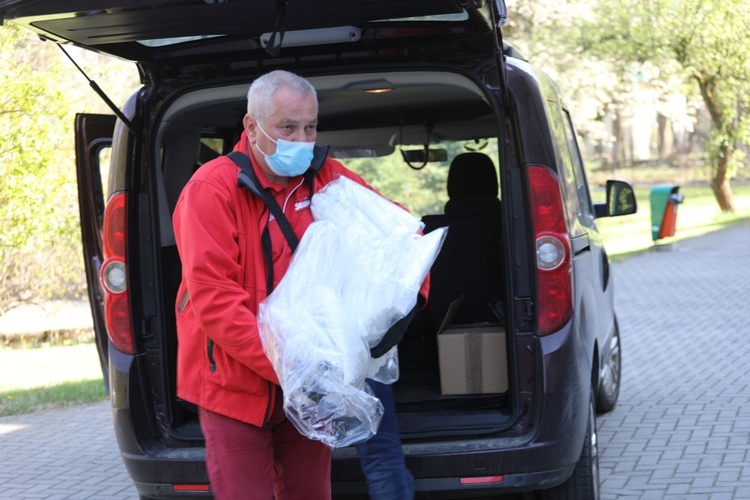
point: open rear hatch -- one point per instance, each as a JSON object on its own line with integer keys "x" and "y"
{"x": 453, "y": 94}
{"x": 203, "y": 38}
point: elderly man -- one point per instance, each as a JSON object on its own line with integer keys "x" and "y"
{"x": 233, "y": 253}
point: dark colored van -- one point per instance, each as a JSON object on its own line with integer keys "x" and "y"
{"x": 503, "y": 373}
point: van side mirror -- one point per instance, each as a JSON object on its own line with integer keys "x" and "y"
{"x": 620, "y": 200}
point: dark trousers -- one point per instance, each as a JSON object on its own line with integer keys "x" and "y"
{"x": 381, "y": 456}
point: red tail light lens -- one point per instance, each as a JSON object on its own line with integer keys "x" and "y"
{"x": 553, "y": 250}
{"x": 113, "y": 275}
{"x": 114, "y": 227}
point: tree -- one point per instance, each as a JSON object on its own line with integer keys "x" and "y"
{"x": 547, "y": 33}
{"x": 32, "y": 109}
{"x": 40, "y": 249}
{"x": 706, "y": 42}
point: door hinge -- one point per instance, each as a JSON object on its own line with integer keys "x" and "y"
{"x": 524, "y": 311}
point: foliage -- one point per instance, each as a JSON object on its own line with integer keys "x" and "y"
{"x": 547, "y": 33}
{"x": 393, "y": 178}
{"x": 35, "y": 218}
{"x": 40, "y": 253}
{"x": 706, "y": 42}
{"x": 422, "y": 191}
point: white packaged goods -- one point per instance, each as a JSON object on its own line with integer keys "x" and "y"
{"x": 357, "y": 270}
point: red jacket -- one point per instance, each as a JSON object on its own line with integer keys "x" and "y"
{"x": 221, "y": 365}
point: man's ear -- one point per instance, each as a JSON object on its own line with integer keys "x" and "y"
{"x": 250, "y": 129}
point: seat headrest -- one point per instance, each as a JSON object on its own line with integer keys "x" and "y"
{"x": 472, "y": 185}
{"x": 472, "y": 174}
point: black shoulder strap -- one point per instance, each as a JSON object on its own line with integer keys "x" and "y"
{"x": 246, "y": 178}
{"x": 320, "y": 153}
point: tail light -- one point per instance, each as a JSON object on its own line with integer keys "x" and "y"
{"x": 113, "y": 275}
{"x": 553, "y": 250}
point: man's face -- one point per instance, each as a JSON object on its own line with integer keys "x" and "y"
{"x": 295, "y": 120}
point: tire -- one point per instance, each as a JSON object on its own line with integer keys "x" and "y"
{"x": 610, "y": 375}
{"x": 584, "y": 483}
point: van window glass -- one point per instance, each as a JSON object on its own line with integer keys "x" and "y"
{"x": 104, "y": 159}
{"x": 162, "y": 42}
{"x": 214, "y": 143}
{"x": 565, "y": 167}
{"x": 460, "y": 16}
{"x": 423, "y": 191}
{"x": 586, "y": 215}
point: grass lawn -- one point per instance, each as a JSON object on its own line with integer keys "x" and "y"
{"x": 39, "y": 378}
{"x": 697, "y": 215}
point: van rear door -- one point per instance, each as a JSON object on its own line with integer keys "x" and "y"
{"x": 93, "y": 142}
{"x": 194, "y": 40}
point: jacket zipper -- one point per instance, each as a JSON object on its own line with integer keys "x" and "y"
{"x": 211, "y": 361}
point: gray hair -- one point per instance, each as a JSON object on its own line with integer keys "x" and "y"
{"x": 260, "y": 104}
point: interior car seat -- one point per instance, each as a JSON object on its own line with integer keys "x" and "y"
{"x": 469, "y": 264}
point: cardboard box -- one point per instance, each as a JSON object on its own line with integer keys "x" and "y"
{"x": 473, "y": 358}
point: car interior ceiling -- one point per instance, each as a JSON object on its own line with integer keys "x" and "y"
{"x": 448, "y": 107}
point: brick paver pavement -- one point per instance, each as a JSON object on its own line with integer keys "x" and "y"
{"x": 681, "y": 428}
{"x": 69, "y": 453}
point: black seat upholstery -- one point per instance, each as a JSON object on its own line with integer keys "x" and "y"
{"x": 472, "y": 186}
{"x": 470, "y": 263}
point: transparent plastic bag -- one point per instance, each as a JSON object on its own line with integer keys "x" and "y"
{"x": 357, "y": 270}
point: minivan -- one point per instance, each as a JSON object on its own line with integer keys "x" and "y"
{"x": 504, "y": 372}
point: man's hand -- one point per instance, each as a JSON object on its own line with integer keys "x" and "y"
{"x": 395, "y": 334}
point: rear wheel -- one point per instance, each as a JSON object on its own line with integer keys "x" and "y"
{"x": 584, "y": 483}
{"x": 609, "y": 380}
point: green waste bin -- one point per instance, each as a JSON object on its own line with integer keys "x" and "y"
{"x": 664, "y": 200}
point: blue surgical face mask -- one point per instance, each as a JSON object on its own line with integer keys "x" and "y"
{"x": 291, "y": 158}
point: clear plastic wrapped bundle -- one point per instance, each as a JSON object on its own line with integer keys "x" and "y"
{"x": 357, "y": 270}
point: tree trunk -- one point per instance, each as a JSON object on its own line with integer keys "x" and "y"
{"x": 720, "y": 182}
